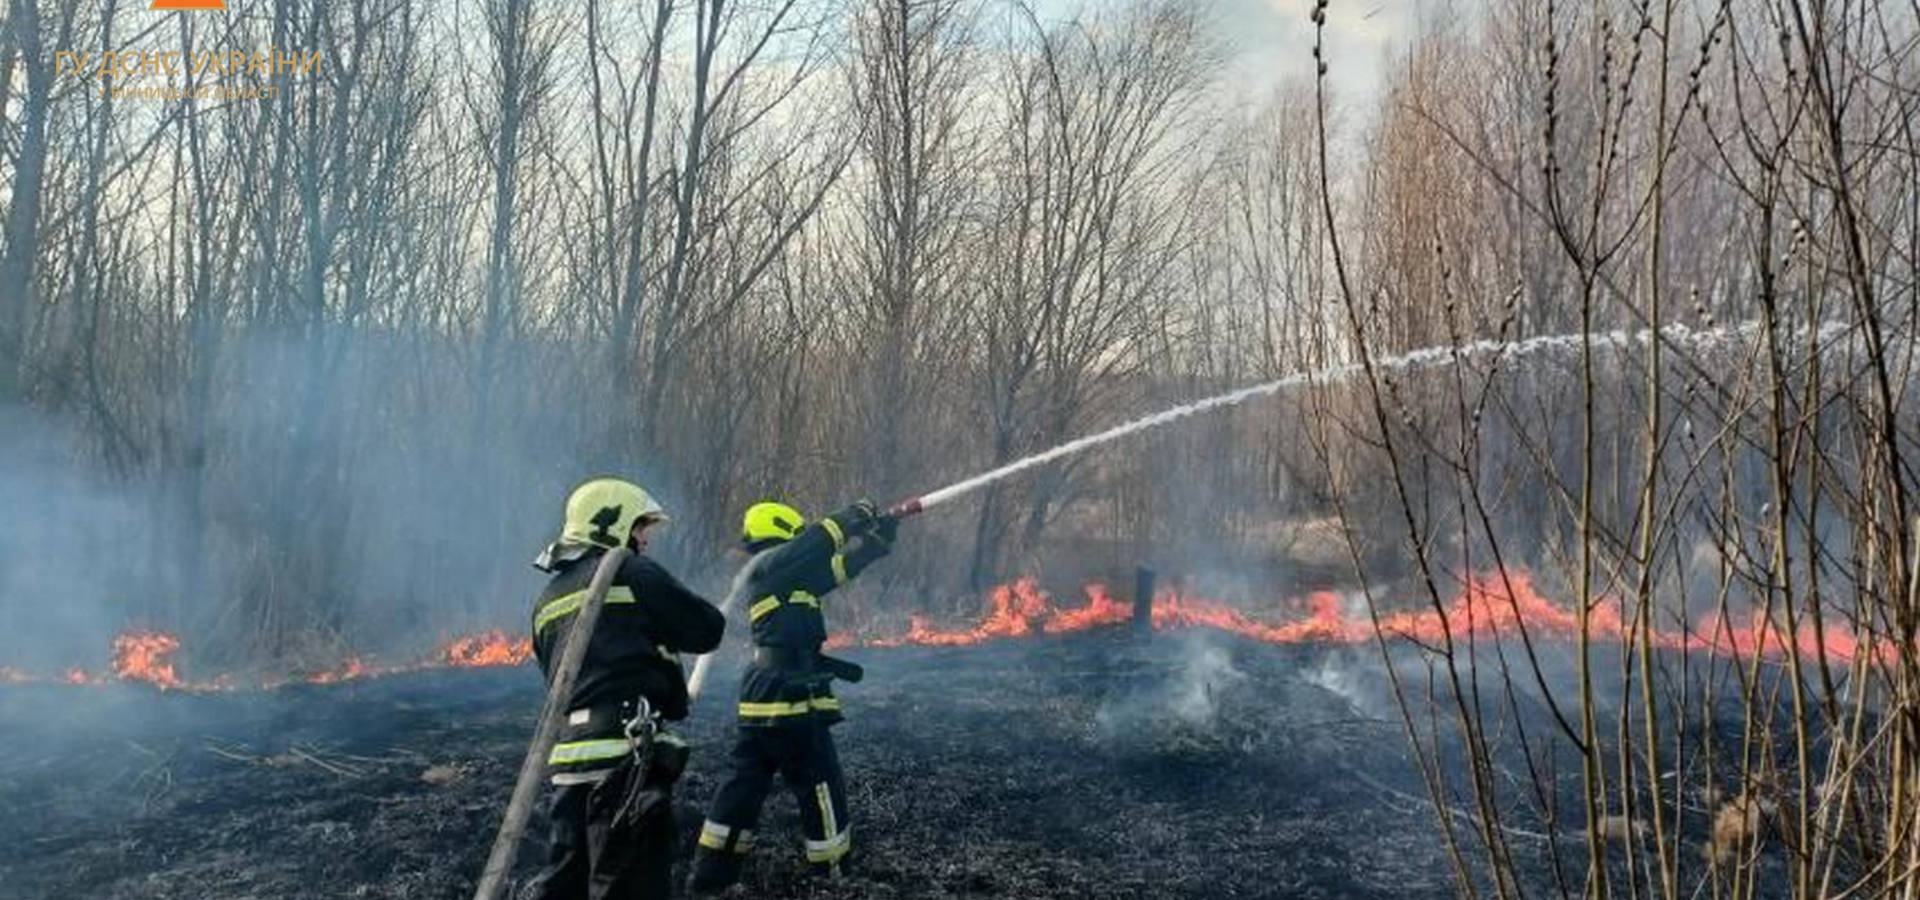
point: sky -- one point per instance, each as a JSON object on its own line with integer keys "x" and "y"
{"x": 1276, "y": 38}
{"x": 1273, "y": 39}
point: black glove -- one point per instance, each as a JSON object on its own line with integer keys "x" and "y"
{"x": 850, "y": 672}
{"x": 885, "y": 529}
{"x": 861, "y": 516}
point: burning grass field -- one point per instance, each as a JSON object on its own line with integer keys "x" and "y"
{"x": 1046, "y": 750}
{"x": 1089, "y": 765}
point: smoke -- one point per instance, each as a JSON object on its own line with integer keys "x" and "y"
{"x": 69, "y": 565}
{"x": 1206, "y": 674}
{"x": 1192, "y": 707}
{"x": 1358, "y": 682}
{"x": 336, "y": 491}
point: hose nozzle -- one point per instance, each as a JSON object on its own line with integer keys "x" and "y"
{"x": 906, "y": 508}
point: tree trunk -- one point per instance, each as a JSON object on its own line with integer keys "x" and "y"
{"x": 23, "y": 216}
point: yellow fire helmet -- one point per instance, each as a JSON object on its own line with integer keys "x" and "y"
{"x": 602, "y": 511}
{"x": 771, "y": 522}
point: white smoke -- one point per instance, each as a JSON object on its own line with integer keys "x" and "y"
{"x": 1205, "y": 677}
{"x": 1183, "y": 711}
{"x": 1361, "y": 684}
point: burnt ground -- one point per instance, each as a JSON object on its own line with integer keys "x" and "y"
{"x": 1092, "y": 766}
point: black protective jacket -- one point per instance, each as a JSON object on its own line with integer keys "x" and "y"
{"x": 648, "y": 617}
{"x": 788, "y": 681}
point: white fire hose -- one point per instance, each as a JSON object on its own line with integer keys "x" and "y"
{"x": 735, "y": 591}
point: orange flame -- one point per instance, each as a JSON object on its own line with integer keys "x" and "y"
{"x": 1101, "y": 609}
{"x": 141, "y": 656}
{"x": 490, "y": 648}
{"x": 1487, "y": 607}
{"x": 351, "y": 669}
{"x": 1016, "y": 608}
{"x": 145, "y": 656}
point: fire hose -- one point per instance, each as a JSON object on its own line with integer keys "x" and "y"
{"x": 506, "y": 844}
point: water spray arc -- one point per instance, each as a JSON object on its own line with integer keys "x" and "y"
{"x": 1679, "y": 336}
{"x": 1418, "y": 359}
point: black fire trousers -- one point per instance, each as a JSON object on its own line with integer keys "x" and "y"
{"x": 613, "y": 840}
{"x": 803, "y": 755}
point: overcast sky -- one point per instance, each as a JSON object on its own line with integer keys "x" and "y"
{"x": 1276, "y": 38}
{"x": 1273, "y": 39}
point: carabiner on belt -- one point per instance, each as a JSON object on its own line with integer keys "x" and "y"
{"x": 643, "y": 726}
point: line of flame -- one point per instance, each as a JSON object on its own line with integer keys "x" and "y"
{"x": 147, "y": 657}
{"x": 1488, "y": 607}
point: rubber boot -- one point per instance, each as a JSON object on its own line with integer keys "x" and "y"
{"x": 713, "y": 871}
{"x": 827, "y": 872}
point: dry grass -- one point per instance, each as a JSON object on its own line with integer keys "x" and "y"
{"x": 1620, "y": 829}
{"x": 1736, "y": 827}
{"x": 444, "y": 774}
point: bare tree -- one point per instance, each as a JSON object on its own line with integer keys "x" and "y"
{"x": 20, "y": 240}
{"x": 915, "y": 184}
{"x": 1084, "y": 224}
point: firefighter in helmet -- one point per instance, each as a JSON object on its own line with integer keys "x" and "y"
{"x": 614, "y": 764}
{"x": 786, "y": 696}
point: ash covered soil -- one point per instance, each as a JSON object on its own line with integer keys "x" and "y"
{"x": 1085, "y": 766}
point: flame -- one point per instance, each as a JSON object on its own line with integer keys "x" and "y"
{"x": 490, "y": 648}
{"x": 1489, "y": 606}
{"x": 1101, "y": 609}
{"x": 146, "y": 656}
{"x": 351, "y": 669}
{"x": 1016, "y": 608}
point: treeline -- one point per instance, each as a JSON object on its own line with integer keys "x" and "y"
{"x": 332, "y": 356}
{"x": 312, "y": 371}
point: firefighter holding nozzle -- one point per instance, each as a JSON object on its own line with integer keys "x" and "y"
{"x": 786, "y": 693}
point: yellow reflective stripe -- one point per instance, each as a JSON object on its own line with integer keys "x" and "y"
{"x": 568, "y": 604}
{"x": 833, "y": 528}
{"x": 829, "y": 854}
{"x": 828, "y": 826}
{"x": 839, "y": 842}
{"x": 588, "y": 751}
{"x": 765, "y": 606}
{"x": 765, "y": 710}
{"x": 802, "y": 598}
{"x": 753, "y": 709}
{"x": 553, "y": 609}
{"x": 840, "y": 569}
{"x": 714, "y": 835}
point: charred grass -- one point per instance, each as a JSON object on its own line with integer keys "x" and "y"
{"x": 1096, "y": 766}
